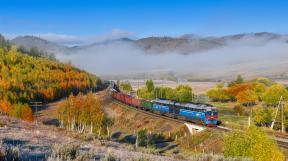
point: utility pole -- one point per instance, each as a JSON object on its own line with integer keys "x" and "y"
{"x": 249, "y": 118}
{"x": 282, "y": 118}
{"x": 193, "y": 97}
{"x": 36, "y": 105}
{"x": 156, "y": 94}
{"x": 137, "y": 88}
{"x": 137, "y": 84}
{"x": 278, "y": 106}
{"x": 162, "y": 88}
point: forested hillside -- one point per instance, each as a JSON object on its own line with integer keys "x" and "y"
{"x": 25, "y": 78}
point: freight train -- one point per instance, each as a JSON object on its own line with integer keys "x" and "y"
{"x": 204, "y": 114}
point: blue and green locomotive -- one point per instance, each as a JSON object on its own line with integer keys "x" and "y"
{"x": 199, "y": 113}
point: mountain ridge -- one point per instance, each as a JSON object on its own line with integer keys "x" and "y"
{"x": 184, "y": 44}
{"x": 42, "y": 44}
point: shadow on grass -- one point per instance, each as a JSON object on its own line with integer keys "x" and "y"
{"x": 13, "y": 142}
{"x": 130, "y": 139}
{"x": 51, "y": 122}
{"x": 34, "y": 157}
{"x": 158, "y": 142}
{"x": 115, "y": 136}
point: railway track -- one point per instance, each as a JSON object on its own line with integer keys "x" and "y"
{"x": 281, "y": 141}
{"x": 282, "y": 144}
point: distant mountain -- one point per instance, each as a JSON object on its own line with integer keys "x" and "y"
{"x": 44, "y": 45}
{"x": 185, "y": 44}
{"x": 261, "y": 35}
{"x": 190, "y": 43}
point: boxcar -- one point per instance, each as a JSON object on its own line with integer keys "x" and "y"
{"x": 146, "y": 105}
{"x": 119, "y": 97}
{"x": 122, "y": 98}
{"x": 128, "y": 99}
{"x": 114, "y": 95}
{"x": 135, "y": 102}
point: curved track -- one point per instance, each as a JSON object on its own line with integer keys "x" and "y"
{"x": 282, "y": 144}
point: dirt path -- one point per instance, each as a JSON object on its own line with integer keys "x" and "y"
{"x": 48, "y": 115}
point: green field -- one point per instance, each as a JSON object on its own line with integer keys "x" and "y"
{"x": 228, "y": 117}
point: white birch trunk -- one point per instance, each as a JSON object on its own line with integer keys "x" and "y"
{"x": 91, "y": 128}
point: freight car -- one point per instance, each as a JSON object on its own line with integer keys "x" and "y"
{"x": 198, "y": 113}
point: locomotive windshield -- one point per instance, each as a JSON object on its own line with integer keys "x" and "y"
{"x": 212, "y": 112}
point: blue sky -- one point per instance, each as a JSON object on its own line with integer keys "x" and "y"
{"x": 142, "y": 18}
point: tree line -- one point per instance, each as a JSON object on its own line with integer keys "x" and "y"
{"x": 83, "y": 114}
{"x": 249, "y": 93}
{"x": 261, "y": 95}
{"x": 33, "y": 51}
{"x": 182, "y": 93}
{"x": 25, "y": 78}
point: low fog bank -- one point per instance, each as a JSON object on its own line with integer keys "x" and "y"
{"x": 248, "y": 56}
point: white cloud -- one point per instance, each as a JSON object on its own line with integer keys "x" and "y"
{"x": 113, "y": 35}
{"x": 10, "y": 36}
{"x": 59, "y": 38}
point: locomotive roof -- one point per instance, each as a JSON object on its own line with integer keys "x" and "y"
{"x": 196, "y": 106}
{"x": 187, "y": 105}
{"x": 168, "y": 102}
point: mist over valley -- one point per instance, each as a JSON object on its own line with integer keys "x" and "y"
{"x": 189, "y": 57}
